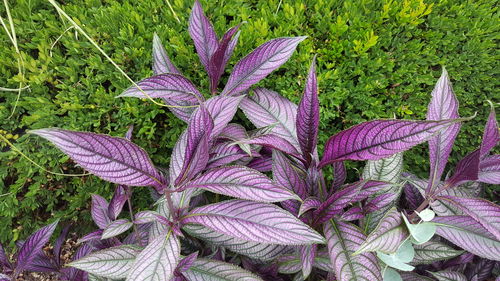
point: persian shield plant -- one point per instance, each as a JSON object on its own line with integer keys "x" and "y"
{"x": 295, "y": 225}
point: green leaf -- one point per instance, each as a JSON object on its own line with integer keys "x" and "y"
{"x": 421, "y": 232}
{"x": 391, "y": 275}
{"x": 426, "y": 215}
{"x": 399, "y": 259}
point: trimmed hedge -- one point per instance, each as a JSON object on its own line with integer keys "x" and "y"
{"x": 376, "y": 59}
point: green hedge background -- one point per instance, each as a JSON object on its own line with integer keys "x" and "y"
{"x": 376, "y": 59}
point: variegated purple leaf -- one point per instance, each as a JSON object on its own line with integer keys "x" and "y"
{"x": 99, "y": 211}
{"x": 491, "y": 135}
{"x": 196, "y": 149}
{"x": 114, "y": 262}
{"x": 258, "y": 251}
{"x": 343, "y": 239}
{"x": 489, "y": 169}
{"x": 308, "y": 115}
{"x": 262, "y": 164}
{"x": 443, "y": 105}
{"x": 115, "y": 228}
{"x": 157, "y": 262}
{"x": 203, "y": 35}
{"x": 381, "y": 139}
{"x": 120, "y": 196}
{"x": 260, "y": 63}
{"x": 274, "y": 142}
{"x": 91, "y": 236}
{"x": 483, "y": 211}
{"x": 265, "y": 108}
{"x": 310, "y": 203}
{"x": 449, "y": 276}
{"x": 161, "y": 61}
{"x": 111, "y": 158}
{"x": 33, "y": 246}
{"x": 4, "y": 261}
{"x": 291, "y": 176}
{"x": 466, "y": 170}
{"x": 307, "y": 255}
{"x": 433, "y": 251}
{"x": 222, "y": 110}
{"x": 468, "y": 234}
{"x": 207, "y": 269}
{"x": 339, "y": 174}
{"x": 224, "y": 153}
{"x": 480, "y": 270}
{"x": 218, "y": 60}
{"x": 387, "y": 236}
{"x": 380, "y": 201}
{"x": 186, "y": 262}
{"x": 243, "y": 183}
{"x": 353, "y": 213}
{"x": 166, "y": 86}
{"x": 254, "y": 221}
{"x": 234, "y": 132}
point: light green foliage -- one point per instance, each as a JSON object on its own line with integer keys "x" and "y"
{"x": 376, "y": 59}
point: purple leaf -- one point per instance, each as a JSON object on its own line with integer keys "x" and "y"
{"x": 265, "y": 108}
{"x": 385, "y": 169}
{"x": 203, "y": 35}
{"x": 343, "y": 239}
{"x": 308, "y": 115}
{"x": 224, "y": 153}
{"x": 466, "y": 170}
{"x": 183, "y": 113}
{"x": 158, "y": 260}
{"x": 33, "y": 246}
{"x": 196, "y": 152}
{"x": 413, "y": 196}
{"x": 353, "y": 213}
{"x": 243, "y": 183}
{"x": 289, "y": 264}
{"x": 91, "y": 236}
{"x": 161, "y": 61}
{"x": 307, "y": 255}
{"x": 207, "y": 269}
{"x": 116, "y": 228}
{"x": 120, "y": 196}
{"x": 468, "y": 234}
{"x": 128, "y": 134}
{"x": 380, "y": 139}
{"x": 74, "y": 273}
{"x": 380, "y": 201}
{"x": 4, "y": 261}
{"x": 220, "y": 57}
{"x": 433, "y": 251}
{"x": 261, "y": 164}
{"x": 449, "y": 276}
{"x": 222, "y": 110}
{"x": 491, "y": 135}
{"x": 291, "y": 176}
{"x": 483, "y": 211}
{"x": 480, "y": 270}
{"x": 111, "y": 158}
{"x": 58, "y": 245}
{"x": 310, "y": 203}
{"x": 259, "y": 251}
{"x": 253, "y": 221}
{"x": 41, "y": 263}
{"x": 186, "y": 262}
{"x": 234, "y": 132}
{"x": 166, "y": 86}
{"x": 99, "y": 211}
{"x": 274, "y": 142}
{"x": 340, "y": 175}
{"x": 411, "y": 276}
{"x": 444, "y": 105}
{"x": 260, "y": 63}
{"x": 387, "y": 236}
{"x": 489, "y": 169}
{"x": 114, "y": 262}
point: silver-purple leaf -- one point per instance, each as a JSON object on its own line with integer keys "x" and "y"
{"x": 234, "y": 132}
{"x": 222, "y": 110}
{"x": 114, "y": 159}
{"x": 224, "y": 153}
{"x": 254, "y": 221}
{"x": 114, "y": 262}
{"x": 353, "y": 213}
{"x": 115, "y": 228}
{"x": 308, "y": 115}
{"x": 203, "y": 35}
{"x": 339, "y": 174}
{"x": 219, "y": 58}
{"x": 291, "y": 176}
{"x": 466, "y": 170}
{"x": 260, "y": 63}
{"x": 274, "y": 142}
{"x": 99, "y": 211}
{"x": 161, "y": 61}
{"x": 32, "y": 246}
{"x": 213, "y": 270}
{"x": 181, "y": 109}
{"x": 485, "y": 212}
{"x": 380, "y": 139}
{"x": 386, "y": 169}
{"x": 489, "y": 169}
{"x": 167, "y": 86}
{"x": 468, "y": 234}
{"x": 433, "y": 251}
{"x": 343, "y": 239}
{"x": 411, "y": 276}
{"x": 307, "y": 255}
{"x": 310, "y": 203}
{"x": 449, "y": 276}
{"x": 157, "y": 262}
{"x": 491, "y": 135}
{"x": 387, "y": 236}
{"x": 443, "y": 105}
{"x": 243, "y": 183}
{"x": 265, "y": 108}
{"x": 120, "y": 196}
{"x": 254, "y": 250}
{"x": 291, "y": 263}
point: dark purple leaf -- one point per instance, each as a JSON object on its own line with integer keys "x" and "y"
{"x": 111, "y": 158}
{"x": 261, "y": 164}
{"x": 99, "y": 211}
{"x": 161, "y": 61}
{"x": 4, "y": 261}
{"x": 41, "y": 263}
{"x": 222, "y": 110}
{"x": 291, "y": 176}
{"x": 120, "y": 196}
{"x": 491, "y": 135}
{"x": 274, "y": 142}
{"x": 466, "y": 170}
{"x": 75, "y": 274}
{"x": 489, "y": 169}
{"x": 186, "y": 262}
{"x": 308, "y": 116}
{"x": 218, "y": 60}
{"x": 58, "y": 245}
{"x": 379, "y": 139}
{"x": 243, "y": 183}
{"x": 33, "y": 246}
{"x": 480, "y": 270}
{"x": 260, "y": 63}
{"x": 310, "y": 203}
{"x": 444, "y": 105}
{"x": 254, "y": 221}
{"x": 203, "y": 35}
{"x": 166, "y": 86}
{"x": 380, "y": 201}
{"x": 449, "y": 276}
{"x": 468, "y": 234}
{"x": 224, "y": 153}
{"x": 413, "y": 196}
{"x": 353, "y": 213}
{"x": 339, "y": 174}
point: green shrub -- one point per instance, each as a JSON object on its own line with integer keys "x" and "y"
{"x": 374, "y": 56}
